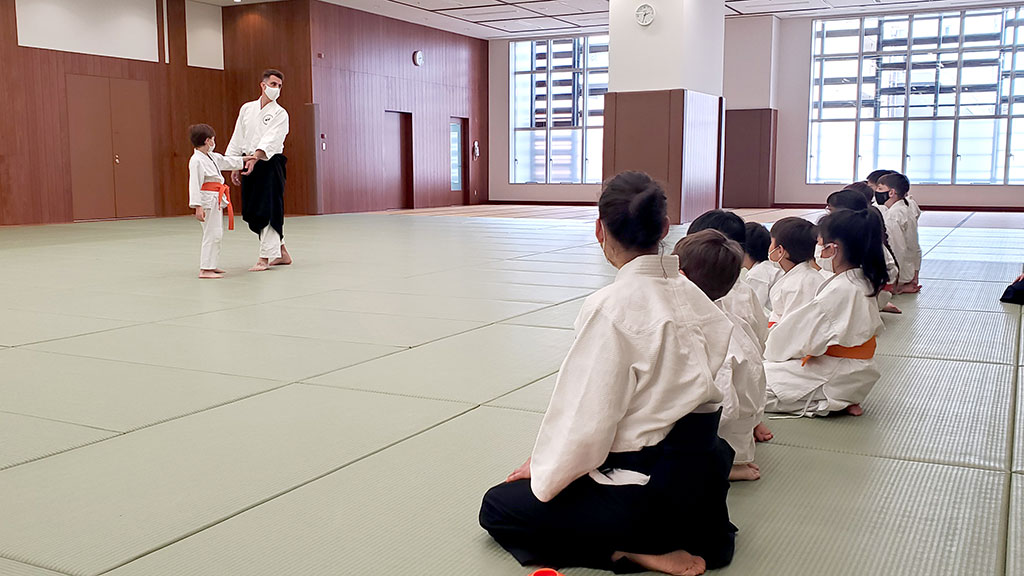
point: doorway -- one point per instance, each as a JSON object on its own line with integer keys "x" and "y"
{"x": 111, "y": 146}
{"x": 396, "y": 185}
{"x": 458, "y": 128}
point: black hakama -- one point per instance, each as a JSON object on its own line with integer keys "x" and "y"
{"x": 682, "y": 507}
{"x": 263, "y": 195}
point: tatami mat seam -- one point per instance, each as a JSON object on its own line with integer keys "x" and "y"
{"x": 25, "y": 563}
{"x": 289, "y": 490}
{"x": 887, "y": 457}
{"x": 925, "y": 357}
{"x": 37, "y": 417}
{"x": 468, "y": 404}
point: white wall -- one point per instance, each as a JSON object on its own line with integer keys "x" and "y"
{"x": 498, "y": 143}
{"x": 683, "y": 48}
{"x": 204, "y": 35}
{"x": 750, "y": 62}
{"x": 793, "y": 82}
{"x": 118, "y": 28}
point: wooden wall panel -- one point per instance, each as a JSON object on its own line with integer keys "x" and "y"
{"x": 362, "y": 67}
{"x": 750, "y": 147}
{"x": 701, "y": 153}
{"x": 275, "y": 35}
{"x": 35, "y": 184}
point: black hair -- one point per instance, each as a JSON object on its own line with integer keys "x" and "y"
{"x": 198, "y": 134}
{"x": 877, "y": 174}
{"x": 272, "y": 72}
{"x": 898, "y": 183}
{"x": 711, "y": 261}
{"x": 725, "y": 222}
{"x": 633, "y": 209}
{"x": 859, "y": 236}
{"x": 865, "y": 190}
{"x": 758, "y": 242}
{"x": 797, "y": 236}
{"x": 848, "y": 200}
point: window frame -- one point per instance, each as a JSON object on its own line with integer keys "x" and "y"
{"x": 1007, "y": 51}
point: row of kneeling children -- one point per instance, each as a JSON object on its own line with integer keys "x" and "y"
{"x": 805, "y": 302}
{"x": 660, "y": 399}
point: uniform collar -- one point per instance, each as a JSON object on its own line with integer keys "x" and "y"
{"x": 650, "y": 265}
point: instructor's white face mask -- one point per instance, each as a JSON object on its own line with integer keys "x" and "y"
{"x": 824, "y": 263}
{"x": 272, "y": 92}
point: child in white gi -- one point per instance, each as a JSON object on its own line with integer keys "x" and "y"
{"x": 209, "y": 196}
{"x": 901, "y": 225}
{"x": 792, "y": 248}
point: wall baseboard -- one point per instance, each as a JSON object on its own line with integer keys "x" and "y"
{"x": 821, "y": 206}
{"x": 539, "y": 203}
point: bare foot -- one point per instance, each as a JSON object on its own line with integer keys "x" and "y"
{"x": 678, "y": 563}
{"x": 741, "y": 472}
{"x": 207, "y": 274}
{"x": 260, "y": 266}
{"x": 219, "y": 271}
{"x": 854, "y": 410}
{"x": 908, "y": 288}
{"x": 762, "y": 433}
{"x": 892, "y": 309}
{"x": 284, "y": 260}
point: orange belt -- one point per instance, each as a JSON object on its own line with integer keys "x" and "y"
{"x": 223, "y": 194}
{"x": 865, "y": 351}
{"x": 770, "y": 324}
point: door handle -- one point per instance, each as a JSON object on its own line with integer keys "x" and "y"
{"x": 117, "y": 159}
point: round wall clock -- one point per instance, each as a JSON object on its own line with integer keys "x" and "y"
{"x": 644, "y": 14}
{"x": 417, "y": 58}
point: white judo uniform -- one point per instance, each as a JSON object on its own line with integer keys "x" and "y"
{"x": 206, "y": 168}
{"x": 761, "y": 277}
{"x": 819, "y": 357}
{"x": 646, "y": 353}
{"x": 794, "y": 289}
{"x": 742, "y": 383}
{"x": 261, "y": 128}
{"x": 901, "y": 225}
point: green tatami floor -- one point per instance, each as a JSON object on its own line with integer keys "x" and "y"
{"x": 345, "y": 415}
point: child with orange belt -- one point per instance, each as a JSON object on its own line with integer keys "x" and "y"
{"x": 820, "y": 357}
{"x": 209, "y": 196}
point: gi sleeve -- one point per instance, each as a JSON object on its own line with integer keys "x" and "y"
{"x": 225, "y": 163}
{"x": 272, "y": 141}
{"x": 195, "y": 183}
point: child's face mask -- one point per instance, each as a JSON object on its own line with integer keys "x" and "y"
{"x": 771, "y": 256}
{"x": 826, "y": 263}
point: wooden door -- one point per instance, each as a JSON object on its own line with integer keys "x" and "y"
{"x": 92, "y": 149}
{"x": 396, "y": 185}
{"x": 458, "y": 131}
{"x": 133, "y": 148}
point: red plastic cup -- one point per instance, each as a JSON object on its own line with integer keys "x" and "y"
{"x": 547, "y": 572}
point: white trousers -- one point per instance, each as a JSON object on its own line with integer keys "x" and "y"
{"x": 270, "y": 243}
{"x": 213, "y": 232}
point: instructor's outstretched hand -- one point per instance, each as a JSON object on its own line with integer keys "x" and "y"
{"x": 235, "y": 179}
{"x": 249, "y": 165}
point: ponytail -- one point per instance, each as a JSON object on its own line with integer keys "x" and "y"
{"x": 633, "y": 208}
{"x": 859, "y": 235}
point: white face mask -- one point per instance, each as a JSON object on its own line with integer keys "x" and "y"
{"x": 272, "y": 92}
{"x": 775, "y": 263}
{"x": 824, "y": 263}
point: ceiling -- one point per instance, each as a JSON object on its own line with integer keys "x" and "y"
{"x": 493, "y": 19}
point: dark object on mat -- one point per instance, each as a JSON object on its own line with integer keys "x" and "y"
{"x": 1014, "y": 293}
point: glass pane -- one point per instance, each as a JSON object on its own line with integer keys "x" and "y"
{"x": 841, "y": 36}
{"x": 870, "y": 35}
{"x": 892, "y": 86}
{"x": 455, "y": 148}
{"x": 566, "y": 99}
{"x": 983, "y": 28}
{"x": 525, "y": 55}
{"x": 979, "y": 83}
{"x": 1017, "y": 151}
{"x": 566, "y": 156}
{"x": 597, "y": 52}
{"x": 830, "y": 154}
{"x": 926, "y": 31}
{"x": 529, "y": 100}
{"x": 529, "y": 156}
{"x": 819, "y": 36}
{"x": 981, "y": 151}
{"x": 597, "y": 88}
{"x": 893, "y": 33}
{"x": 950, "y": 30}
{"x": 595, "y": 152}
{"x": 881, "y": 146}
{"x": 929, "y": 151}
{"x": 567, "y": 53}
{"x": 924, "y": 81}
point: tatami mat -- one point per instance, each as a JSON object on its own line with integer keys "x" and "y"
{"x": 1015, "y": 538}
{"x": 560, "y": 316}
{"x": 18, "y": 327}
{"x": 89, "y": 510}
{"x": 243, "y": 354}
{"x": 604, "y": 269}
{"x": 383, "y": 329}
{"x": 25, "y": 438}
{"x": 957, "y": 295}
{"x": 951, "y": 335}
{"x": 1018, "y": 452}
{"x": 1001, "y": 272}
{"x": 843, "y": 514}
{"x": 922, "y": 410}
{"x": 112, "y": 395}
{"x": 532, "y": 398}
{"x": 473, "y": 367}
{"x": 12, "y": 568}
{"x": 589, "y": 281}
{"x": 415, "y": 305}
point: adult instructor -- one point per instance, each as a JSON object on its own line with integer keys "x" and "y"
{"x": 260, "y": 131}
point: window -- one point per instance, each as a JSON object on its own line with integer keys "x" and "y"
{"x": 938, "y": 96}
{"x": 455, "y": 152}
{"x": 556, "y": 109}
